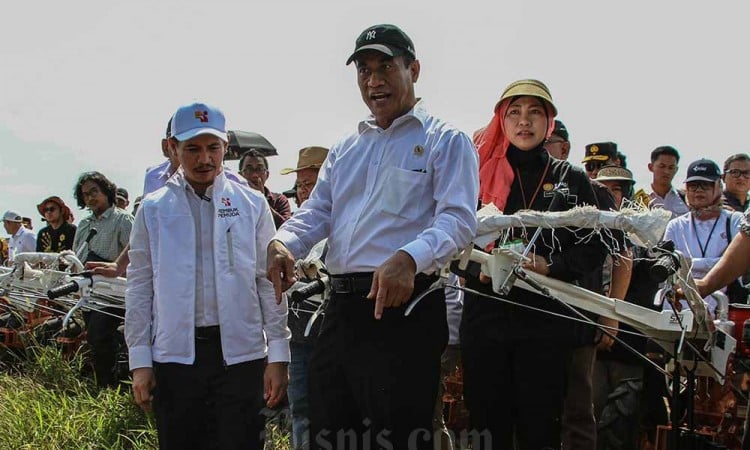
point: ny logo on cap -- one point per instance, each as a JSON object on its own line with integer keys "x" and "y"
{"x": 370, "y": 35}
{"x": 202, "y": 116}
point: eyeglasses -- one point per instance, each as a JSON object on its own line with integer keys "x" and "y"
{"x": 93, "y": 192}
{"x": 593, "y": 165}
{"x": 699, "y": 185}
{"x": 49, "y": 209}
{"x": 736, "y": 173}
{"x": 555, "y": 141}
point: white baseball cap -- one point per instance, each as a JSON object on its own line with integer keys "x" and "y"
{"x": 12, "y": 216}
{"x": 196, "y": 119}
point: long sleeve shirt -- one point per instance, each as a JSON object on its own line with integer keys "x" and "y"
{"x": 411, "y": 187}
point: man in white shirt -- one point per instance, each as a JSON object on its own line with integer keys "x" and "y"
{"x": 704, "y": 233}
{"x": 21, "y": 238}
{"x": 396, "y": 199}
{"x": 664, "y": 166}
{"x": 201, "y": 318}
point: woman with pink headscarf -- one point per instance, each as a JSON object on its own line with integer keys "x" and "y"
{"x": 515, "y": 357}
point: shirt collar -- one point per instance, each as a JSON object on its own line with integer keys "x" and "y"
{"x": 209, "y": 190}
{"x": 20, "y": 231}
{"x": 105, "y": 214}
{"x": 418, "y": 112}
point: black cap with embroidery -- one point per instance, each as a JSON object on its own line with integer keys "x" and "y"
{"x": 703, "y": 170}
{"x": 385, "y": 38}
{"x": 601, "y": 151}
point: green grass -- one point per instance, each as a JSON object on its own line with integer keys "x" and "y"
{"x": 45, "y": 404}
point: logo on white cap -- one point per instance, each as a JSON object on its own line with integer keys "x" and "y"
{"x": 202, "y": 116}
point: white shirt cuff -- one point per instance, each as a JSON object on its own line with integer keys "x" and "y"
{"x": 278, "y": 351}
{"x": 421, "y": 252}
{"x": 290, "y": 241}
{"x": 140, "y": 356}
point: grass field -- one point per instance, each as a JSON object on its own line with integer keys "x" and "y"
{"x": 45, "y": 404}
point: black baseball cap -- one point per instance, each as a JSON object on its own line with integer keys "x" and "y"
{"x": 600, "y": 151}
{"x": 560, "y": 130}
{"x": 703, "y": 170}
{"x": 385, "y": 38}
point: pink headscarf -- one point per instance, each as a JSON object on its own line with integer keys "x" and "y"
{"x": 495, "y": 174}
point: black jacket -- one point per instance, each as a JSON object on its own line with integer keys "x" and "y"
{"x": 572, "y": 260}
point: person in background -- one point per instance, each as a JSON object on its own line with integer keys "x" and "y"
{"x": 136, "y": 204}
{"x": 736, "y": 178}
{"x": 558, "y": 144}
{"x": 101, "y": 236}
{"x": 309, "y": 162}
{"x": 58, "y": 235}
{"x": 121, "y": 198}
{"x": 703, "y": 233}
{"x": 254, "y": 167}
{"x": 597, "y": 155}
{"x": 22, "y": 239}
{"x": 664, "y": 166}
{"x": 27, "y": 223}
{"x": 578, "y": 422}
{"x": 616, "y": 368}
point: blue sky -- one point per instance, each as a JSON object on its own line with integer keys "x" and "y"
{"x": 89, "y": 85}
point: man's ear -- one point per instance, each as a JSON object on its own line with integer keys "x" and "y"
{"x": 651, "y": 167}
{"x": 414, "y": 69}
{"x": 165, "y": 147}
{"x": 565, "y": 150}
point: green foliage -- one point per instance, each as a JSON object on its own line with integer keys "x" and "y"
{"x": 49, "y": 405}
{"x": 46, "y": 404}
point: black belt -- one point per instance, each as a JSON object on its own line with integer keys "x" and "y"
{"x": 207, "y": 333}
{"x": 360, "y": 283}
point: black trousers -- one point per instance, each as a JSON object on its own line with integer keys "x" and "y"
{"x": 514, "y": 365}
{"x": 100, "y": 334}
{"x": 208, "y": 405}
{"x": 373, "y": 383}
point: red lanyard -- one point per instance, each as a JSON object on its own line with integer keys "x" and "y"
{"x": 538, "y": 187}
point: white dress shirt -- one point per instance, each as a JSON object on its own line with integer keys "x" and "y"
{"x": 206, "y": 309}
{"x": 671, "y": 202}
{"x": 413, "y": 186}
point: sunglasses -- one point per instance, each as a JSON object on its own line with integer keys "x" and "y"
{"x": 50, "y": 209}
{"x": 593, "y": 165}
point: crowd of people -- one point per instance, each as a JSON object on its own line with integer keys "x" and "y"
{"x": 209, "y": 252}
